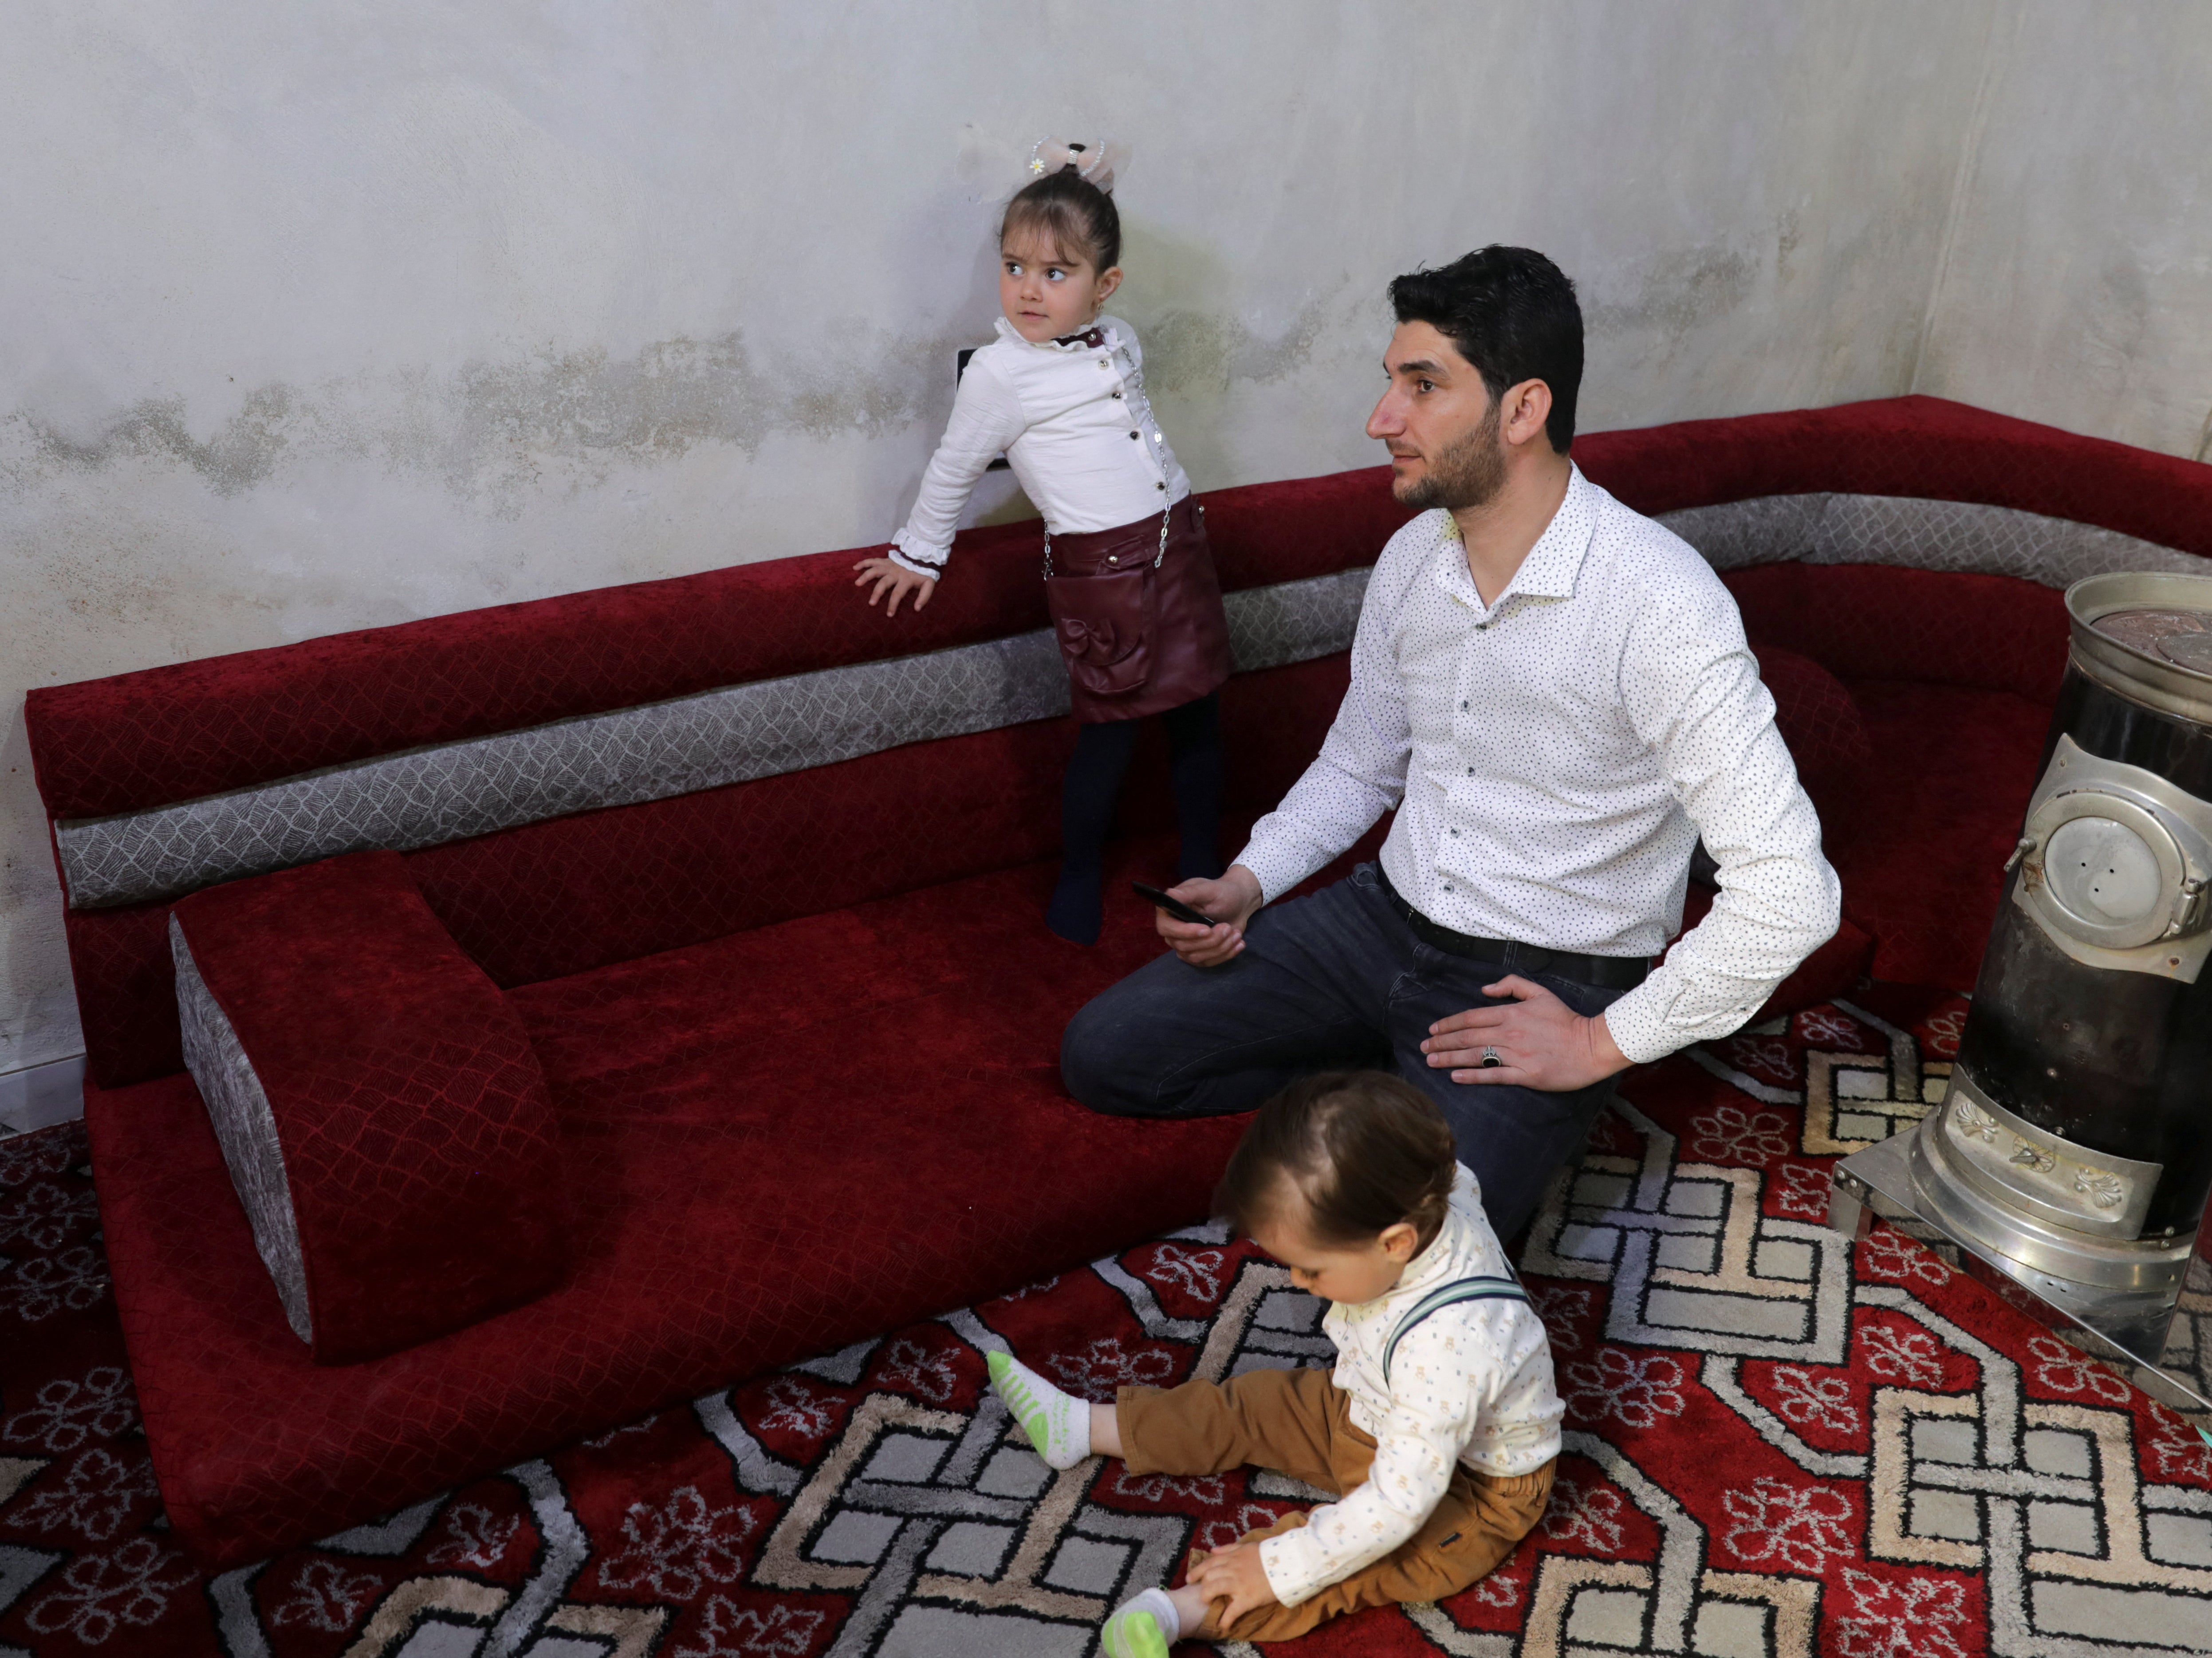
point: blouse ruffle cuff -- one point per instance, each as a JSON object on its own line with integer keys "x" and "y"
{"x": 920, "y": 561}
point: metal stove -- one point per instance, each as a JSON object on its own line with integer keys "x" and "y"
{"x": 2071, "y": 1157}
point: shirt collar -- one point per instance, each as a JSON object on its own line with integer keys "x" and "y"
{"x": 1552, "y": 564}
{"x": 1103, "y": 326}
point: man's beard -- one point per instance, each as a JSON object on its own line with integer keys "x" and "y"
{"x": 1468, "y": 473}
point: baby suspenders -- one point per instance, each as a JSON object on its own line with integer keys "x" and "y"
{"x": 1449, "y": 1295}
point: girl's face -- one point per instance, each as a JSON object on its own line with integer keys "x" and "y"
{"x": 1047, "y": 294}
{"x": 1349, "y": 1273}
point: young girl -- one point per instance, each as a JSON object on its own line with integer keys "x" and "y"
{"x": 1438, "y": 1429}
{"x": 1129, "y": 578}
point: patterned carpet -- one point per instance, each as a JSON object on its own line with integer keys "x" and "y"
{"x": 1777, "y": 1445}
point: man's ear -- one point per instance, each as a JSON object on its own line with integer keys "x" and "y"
{"x": 1401, "y": 1242}
{"x": 1522, "y": 411}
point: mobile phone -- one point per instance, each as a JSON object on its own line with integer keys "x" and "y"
{"x": 1175, "y": 907}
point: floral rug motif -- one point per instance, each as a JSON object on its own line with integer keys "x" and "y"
{"x": 1778, "y": 1444}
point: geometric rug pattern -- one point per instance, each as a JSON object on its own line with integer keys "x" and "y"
{"x": 1778, "y": 1444}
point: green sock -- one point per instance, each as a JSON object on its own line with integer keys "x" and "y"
{"x": 1058, "y": 1424}
{"x": 1144, "y": 1628}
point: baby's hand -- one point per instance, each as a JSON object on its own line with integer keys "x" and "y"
{"x": 898, "y": 582}
{"x": 1234, "y": 1575}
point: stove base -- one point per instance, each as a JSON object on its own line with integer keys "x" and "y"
{"x": 2162, "y": 1336}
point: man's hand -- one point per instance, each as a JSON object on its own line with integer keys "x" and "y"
{"x": 1231, "y": 900}
{"x": 1541, "y": 1042}
{"x": 895, "y": 579}
{"x": 1234, "y": 1575}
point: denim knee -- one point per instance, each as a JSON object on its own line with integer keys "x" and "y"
{"x": 1088, "y": 1056}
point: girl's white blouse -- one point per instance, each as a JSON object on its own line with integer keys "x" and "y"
{"x": 1075, "y": 424}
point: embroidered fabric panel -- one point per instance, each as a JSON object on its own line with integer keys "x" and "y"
{"x": 452, "y": 792}
{"x": 1929, "y": 535}
{"x": 245, "y": 1129}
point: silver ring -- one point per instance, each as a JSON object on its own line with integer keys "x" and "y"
{"x": 1490, "y": 1058}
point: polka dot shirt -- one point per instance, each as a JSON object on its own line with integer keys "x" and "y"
{"x": 1552, "y": 758}
{"x": 1470, "y": 1383}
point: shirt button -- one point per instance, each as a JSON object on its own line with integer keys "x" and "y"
{"x": 1133, "y": 437}
{"x": 1470, "y": 771}
{"x": 1117, "y": 394}
{"x": 1162, "y": 485}
{"x": 1455, "y": 832}
{"x": 1462, "y": 708}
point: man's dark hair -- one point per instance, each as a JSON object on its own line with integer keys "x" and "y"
{"x": 1511, "y": 312}
{"x": 1367, "y": 1149}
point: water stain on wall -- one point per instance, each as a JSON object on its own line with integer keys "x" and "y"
{"x": 1677, "y": 291}
{"x": 243, "y": 452}
{"x": 1193, "y": 351}
{"x": 497, "y": 433}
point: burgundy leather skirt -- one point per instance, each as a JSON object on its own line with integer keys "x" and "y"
{"x": 1139, "y": 622}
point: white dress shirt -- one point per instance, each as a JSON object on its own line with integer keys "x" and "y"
{"x": 1554, "y": 755}
{"x": 1470, "y": 1383}
{"x": 1074, "y": 421}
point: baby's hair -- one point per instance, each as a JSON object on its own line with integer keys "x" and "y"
{"x": 1074, "y": 213}
{"x": 1366, "y": 1149}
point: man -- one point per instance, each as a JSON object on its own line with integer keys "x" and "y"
{"x": 1555, "y": 694}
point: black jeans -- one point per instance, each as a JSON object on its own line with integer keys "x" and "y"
{"x": 1334, "y": 981}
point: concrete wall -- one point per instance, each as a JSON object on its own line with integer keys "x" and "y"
{"x": 339, "y": 315}
{"x": 2075, "y": 286}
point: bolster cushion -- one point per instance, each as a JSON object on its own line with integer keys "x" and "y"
{"x": 383, "y": 1115}
{"x": 1827, "y": 733}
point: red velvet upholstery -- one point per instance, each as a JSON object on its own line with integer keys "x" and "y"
{"x": 1879, "y": 621}
{"x": 1920, "y": 446}
{"x": 418, "y": 1142}
{"x": 1827, "y": 733}
{"x": 890, "y": 1021}
{"x": 774, "y": 1144}
{"x": 573, "y": 893}
{"x": 144, "y": 740}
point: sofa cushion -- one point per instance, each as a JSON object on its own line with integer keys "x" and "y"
{"x": 384, "y": 1118}
{"x": 1827, "y": 733}
{"x": 1941, "y": 626}
{"x": 773, "y": 1145}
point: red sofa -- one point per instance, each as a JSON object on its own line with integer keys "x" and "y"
{"x": 759, "y": 874}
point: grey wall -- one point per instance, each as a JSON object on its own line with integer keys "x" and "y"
{"x": 325, "y": 317}
{"x": 2075, "y": 286}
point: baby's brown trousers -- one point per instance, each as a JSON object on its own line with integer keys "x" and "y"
{"x": 1300, "y": 1422}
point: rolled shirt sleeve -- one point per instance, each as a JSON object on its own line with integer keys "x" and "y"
{"x": 1693, "y": 686}
{"x": 987, "y": 416}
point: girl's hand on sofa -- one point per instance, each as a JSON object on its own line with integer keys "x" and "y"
{"x": 897, "y": 581}
{"x": 1233, "y": 900}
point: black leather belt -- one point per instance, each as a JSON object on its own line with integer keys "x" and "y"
{"x": 1604, "y": 972}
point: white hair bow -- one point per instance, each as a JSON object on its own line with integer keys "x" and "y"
{"x": 1093, "y": 160}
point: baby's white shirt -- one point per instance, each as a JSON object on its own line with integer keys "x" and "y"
{"x": 1470, "y": 1383}
{"x": 1075, "y": 424}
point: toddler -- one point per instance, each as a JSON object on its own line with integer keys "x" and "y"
{"x": 1437, "y": 1429}
{"x": 1129, "y": 579}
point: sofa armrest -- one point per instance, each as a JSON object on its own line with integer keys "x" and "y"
{"x": 384, "y": 1118}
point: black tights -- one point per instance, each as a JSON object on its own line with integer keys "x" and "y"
{"x": 1094, "y": 782}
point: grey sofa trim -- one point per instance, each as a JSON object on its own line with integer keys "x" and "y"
{"x": 455, "y": 791}
{"x": 245, "y": 1129}
{"x": 1928, "y": 535}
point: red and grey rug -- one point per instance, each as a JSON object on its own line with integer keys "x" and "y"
{"x": 1778, "y": 1444}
